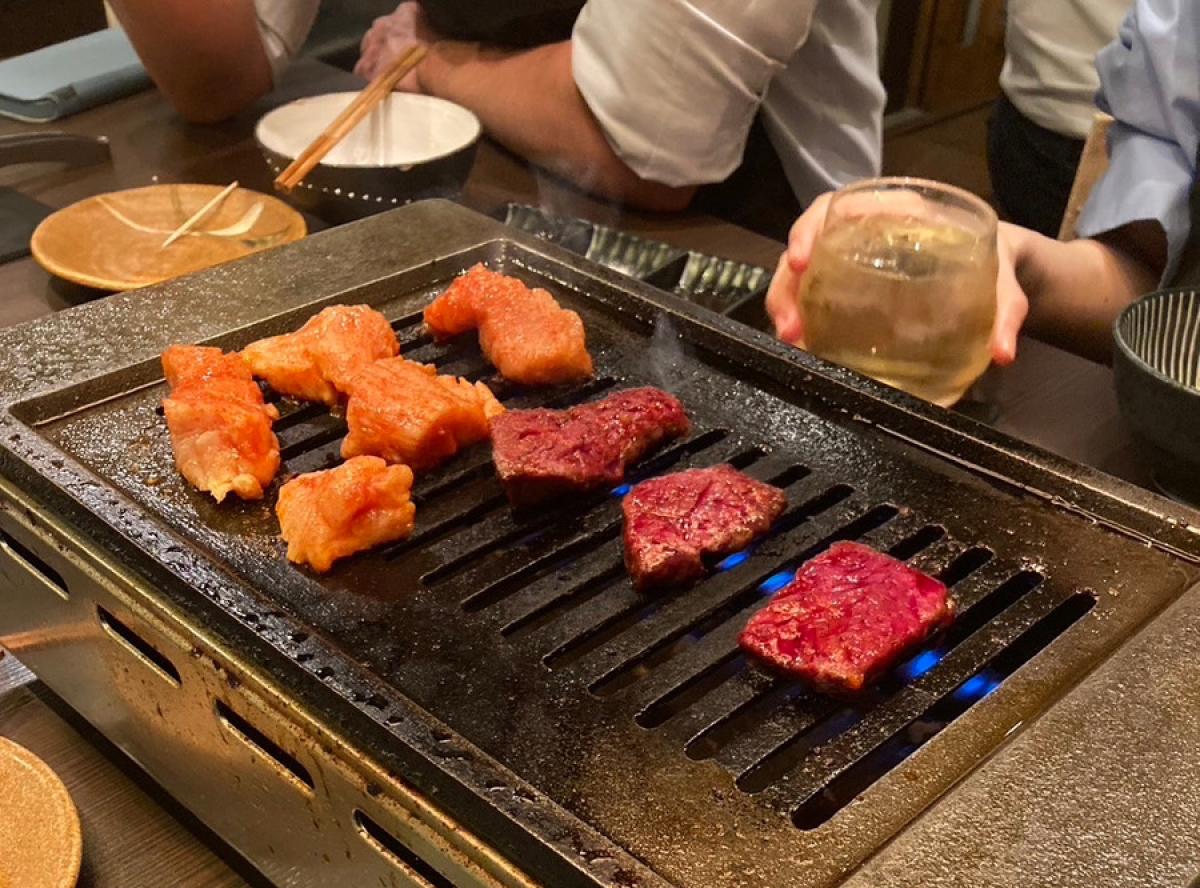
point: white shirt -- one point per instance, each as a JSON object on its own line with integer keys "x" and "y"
{"x": 675, "y": 85}
{"x": 284, "y": 26}
{"x": 1150, "y": 82}
{"x": 1050, "y": 63}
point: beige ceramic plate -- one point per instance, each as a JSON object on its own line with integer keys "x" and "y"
{"x": 114, "y": 241}
{"x": 39, "y": 828}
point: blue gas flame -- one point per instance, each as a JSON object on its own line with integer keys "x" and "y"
{"x": 776, "y": 581}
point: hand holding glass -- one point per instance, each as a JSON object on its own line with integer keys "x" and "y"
{"x": 901, "y": 286}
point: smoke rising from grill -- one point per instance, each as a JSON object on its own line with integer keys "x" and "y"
{"x": 667, "y": 355}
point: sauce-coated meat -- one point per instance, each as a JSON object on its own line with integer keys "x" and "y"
{"x": 849, "y": 614}
{"x": 324, "y": 516}
{"x": 315, "y": 362}
{"x": 220, "y": 427}
{"x": 525, "y": 333}
{"x": 406, "y": 413}
{"x": 673, "y": 522}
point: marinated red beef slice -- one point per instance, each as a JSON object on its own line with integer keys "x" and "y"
{"x": 673, "y": 522}
{"x": 848, "y": 615}
{"x": 543, "y": 453}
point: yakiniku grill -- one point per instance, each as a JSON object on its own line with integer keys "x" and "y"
{"x": 490, "y": 702}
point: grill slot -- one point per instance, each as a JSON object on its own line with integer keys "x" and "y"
{"x": 818, "y": 808}
{"x": 497, "y": 591}
{"x": 610, "y": 627}
{"x": 34, "y": 563}
{"x": 588, "y": 391}
{"x": 917, "y": 542}
{"x": 610, "y": 573}
{"x": 692, "y": 690}
{"x": 965, "y": 564}
{"x": 446, "y": 517}
{"x": 160, "y": 664}
{"x": 826, "y": 721}
{"x": 396, "y": 851}
{"x": 293, "y": 413}
{"x": 317, "y": 433}
{"x": 445, "y": 355}
{"x": 471, "y": 367}
{"x": 764, "y": 695}
{"x": 286, "y": 764}
{"x": 472, "y": 466}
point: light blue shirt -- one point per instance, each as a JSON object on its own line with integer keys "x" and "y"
{"x": 676, "y": 84}
{"x": 1150, "y": 83}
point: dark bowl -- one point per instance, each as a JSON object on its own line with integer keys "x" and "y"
{"x": 410, "y": 148}
{"x": 1157, "y": 368}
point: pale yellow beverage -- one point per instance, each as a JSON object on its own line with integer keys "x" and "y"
{"x": 906, "y": 297}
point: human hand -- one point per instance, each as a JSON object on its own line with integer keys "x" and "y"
{"x": 1012, "y": 304}
{"x": 782, "y": 294}
{"x": 391, "y": 36}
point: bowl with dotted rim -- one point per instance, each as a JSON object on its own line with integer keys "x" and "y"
{"x": 409, "y": 147}
{"x": 1156, "y": 365}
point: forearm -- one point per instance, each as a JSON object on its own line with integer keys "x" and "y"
{"x": 207, "y": 58}
{"x": 1076, "y": 289}
{"x": 528, "y": 102}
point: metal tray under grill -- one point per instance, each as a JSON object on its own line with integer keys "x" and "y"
{"x": 501, "y": 665}
{"x": 725, "y": 286}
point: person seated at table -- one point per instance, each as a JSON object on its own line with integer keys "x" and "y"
{"x": 744, "y": 111}
{"x": 767, "y": 104}
{"x": 214, "y": 59}
{"x": 1046, "y": 105}
{"x": 1135, "y": 227}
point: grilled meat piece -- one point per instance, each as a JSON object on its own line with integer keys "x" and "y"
{"x": 316, "y": 362}
{"x": 525, "y": 333}
{"x": 220, "y": 427}
{"x": 405, "y": 412}
{"x": 324, "y": 516}
{"x": 541, "y": 454}
{"x": 673, "y": 522}
{"x": 848, "y": 615}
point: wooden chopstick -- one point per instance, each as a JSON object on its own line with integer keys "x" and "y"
{"x": 199, "y": 215}
{"x": 375, "y": 92}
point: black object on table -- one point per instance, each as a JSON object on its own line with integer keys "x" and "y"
{"x": 19, "y": 214}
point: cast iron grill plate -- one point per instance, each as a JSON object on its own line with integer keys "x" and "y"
{"x": 519, "y": 632}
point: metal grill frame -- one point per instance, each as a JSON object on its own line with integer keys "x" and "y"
{"x": 523, "y": 824}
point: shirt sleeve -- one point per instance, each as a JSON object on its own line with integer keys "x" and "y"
{"x": 675, "y": 84}
{"x": 283, "y": 26}
{"x": 1150, "y": 84}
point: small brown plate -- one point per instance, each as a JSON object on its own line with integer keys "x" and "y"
{"x": 39, "y": 827}
{"x": 114, "y": 241}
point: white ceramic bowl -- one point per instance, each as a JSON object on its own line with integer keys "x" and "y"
{"x": 409, "y": 147}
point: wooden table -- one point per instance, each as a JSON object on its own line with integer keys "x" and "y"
{"x": 133, "y": 835}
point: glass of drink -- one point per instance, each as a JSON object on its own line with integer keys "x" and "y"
{"x": 901, "y": 286}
